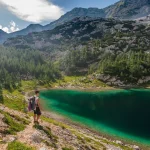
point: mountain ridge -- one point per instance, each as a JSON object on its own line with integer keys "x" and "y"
{"x": 79, "y": 29}
{"x": 123, "y": 9}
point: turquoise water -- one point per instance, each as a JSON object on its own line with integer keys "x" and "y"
{"x": 120, "y": 113}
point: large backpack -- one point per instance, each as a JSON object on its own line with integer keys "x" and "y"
{"x": 31, "y": 105}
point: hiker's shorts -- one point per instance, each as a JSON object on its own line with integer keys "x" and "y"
{"x": 37, "y": 111}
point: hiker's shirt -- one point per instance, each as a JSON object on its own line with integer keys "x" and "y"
{"x": 36, "y": 101}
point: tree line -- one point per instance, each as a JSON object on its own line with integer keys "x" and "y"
{"x": 129, "y": 66}
{"x": 27, "y": 64}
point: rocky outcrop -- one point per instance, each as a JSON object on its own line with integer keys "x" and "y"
{"x": 114, "y": 81}
{"x": 144, "y": 80}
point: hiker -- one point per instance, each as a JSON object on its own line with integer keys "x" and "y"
{"x": 37, "y": 109}
{"x": 34, "y": 104}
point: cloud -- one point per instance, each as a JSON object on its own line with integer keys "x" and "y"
{"x": 33, "y": 10}
{"x": 12, "y": 27}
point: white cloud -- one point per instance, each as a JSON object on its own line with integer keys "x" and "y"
{"x": 5, "y": 29}
{"x": 11, "y": 28}
{"x": 33, "y": 10}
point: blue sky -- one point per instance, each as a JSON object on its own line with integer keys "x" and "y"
{"x": 69, "y": 4}
{"x": 17, "y": 14}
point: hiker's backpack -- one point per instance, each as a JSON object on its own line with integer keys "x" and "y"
{"x": 31, "y": 105}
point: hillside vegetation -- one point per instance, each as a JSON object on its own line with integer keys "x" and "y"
{"x": 109, "y": 48}
{"x": 17, "y": 65}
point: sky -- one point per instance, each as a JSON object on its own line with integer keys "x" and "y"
{"x": 18, "y": 14}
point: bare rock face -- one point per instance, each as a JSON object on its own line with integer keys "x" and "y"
{"x": 110, "y": 80}
{"x": 129, "y": 9}
{"x": 144, "y": 80}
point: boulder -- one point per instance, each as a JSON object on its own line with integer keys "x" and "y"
{"x": 136, "y": 147}
{"x": 10, "y": 139}
{"x": 119, "y": 142}
{"x": 43, "y": 148}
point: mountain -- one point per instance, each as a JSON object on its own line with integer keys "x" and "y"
{"x": 3, "y": 35}
{"x": 124, "y": 9}
{"x": 76, "y": 31}
{"x": 80, "y": 31}
{"x": 31, "y": 28}
{"x": 128, "y": 9}
{"x": 76, "y": 12}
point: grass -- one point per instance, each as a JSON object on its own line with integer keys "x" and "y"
{"x": 22, "y": 120}
{"x": 14, "y": 100}
{"x": 60, "y": 124}
{"x": 117, "y": 145}
{"x": 29, "y": 85}
{"x": 80, "y": 81}
{"x": 18, "y": 146}
{"x": 14, "y": 126}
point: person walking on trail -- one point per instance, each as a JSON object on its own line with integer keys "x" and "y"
{"x": 35, "y": 106}
{"x": 37, "y": 109}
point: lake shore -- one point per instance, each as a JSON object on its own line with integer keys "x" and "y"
{"x": 86, "y": 129}
{"x": 94, "y": 89}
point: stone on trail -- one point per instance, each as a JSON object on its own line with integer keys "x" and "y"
{"x": 136, "y": 147}
{"x": 36, "y": 138}
{"x": 119, "y": 142}
{"x": 9, "y": 139}
{"x": 43, "y": 148}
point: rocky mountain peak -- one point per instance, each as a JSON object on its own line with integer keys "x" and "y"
{"x": 123, "y": 9}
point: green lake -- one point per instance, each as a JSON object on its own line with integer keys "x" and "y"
{"x": 118, "y": 113}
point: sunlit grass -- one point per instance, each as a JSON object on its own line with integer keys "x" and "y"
{"x": 29, "y": 85}
{"x": 14, "y": 126}
{"x": 18, "y": 146}
{"x": 14, "y": 100}
{"x": 81, "y": 81}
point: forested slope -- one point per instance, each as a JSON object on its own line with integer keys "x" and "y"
{"x": 18, "y": 64}
{"x": 85, "y": 45}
